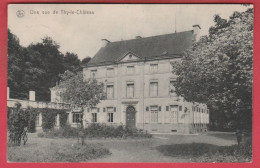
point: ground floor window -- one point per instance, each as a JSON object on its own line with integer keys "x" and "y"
{"x": 77, "y": 117}
{"x": 111, "y": 117}
{"x": 174, "y": 113}
{"x": 154, "y": 114}
{"x": 94, "y": 117}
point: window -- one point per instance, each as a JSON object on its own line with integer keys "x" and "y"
{"x": 153, "y": 68}
{"x": 110, "y": 71}
{"x": 110, "y": 117}
{"x": 130, "y": 69}
{"x": 77, "y": 117}
{"x": 130, "y": 90}
{"x": 94, "y": 117}
{"x": 172, "y": 87}
{"x": 110, "y": 114}
{"x": 174, "y": 113}
{"x": 37, "y": 119}
{"x": 110, "y": 91}
{"x": 153, "y": 88}
{"x": 93, "y": 73}
{"x": 154, "y": 114}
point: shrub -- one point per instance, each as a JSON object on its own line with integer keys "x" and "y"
{"x": 97, "y": 131}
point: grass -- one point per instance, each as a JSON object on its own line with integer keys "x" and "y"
{"x": 55, "y": 150}
{"x": 202, "y": 152}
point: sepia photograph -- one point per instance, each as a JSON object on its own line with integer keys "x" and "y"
{"x": 130, "y": 83}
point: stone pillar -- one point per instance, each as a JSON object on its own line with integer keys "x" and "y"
{"x": 70, "y": 118}
{"x": 32, "y": 95}
{"x": 8, "y": 91}
{"x": 40, "y": 119}
{"x": 58, "y": 120}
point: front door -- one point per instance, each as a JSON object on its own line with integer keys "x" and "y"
{"x": 130, "y": 117}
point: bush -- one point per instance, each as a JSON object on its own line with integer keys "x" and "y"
{"x": 97, "y": 131}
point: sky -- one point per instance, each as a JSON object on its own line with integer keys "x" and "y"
{"x": 81, "y": 32}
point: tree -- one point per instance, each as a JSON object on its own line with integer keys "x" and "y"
{"x": 81, "y": 93}
{"x": 218, "y": 71}
{"x": 85, "y": 61}
{"x": 15, "y": 66}
{"x": 71, "y": 62}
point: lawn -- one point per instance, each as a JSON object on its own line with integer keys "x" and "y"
{"x": 169, "y": 148}
{"x": 55, "y": 150}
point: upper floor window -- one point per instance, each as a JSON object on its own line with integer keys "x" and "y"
{"x": 153, "y": 68}
{"x": 153, "y": 89}
{"x": 172, "y": 87}
{"x": 130, "y": 90}
{"x": 130, "y": 70}
{"x": 110, "y": 91}
{"x": 93, "y": 73}
{"x": 110, "y": 72}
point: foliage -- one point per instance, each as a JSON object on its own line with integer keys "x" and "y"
{"x": 200, "y": 152}
{"x": 28, "y": 117}
{"x": 37, "y": 67}
{"x": 218, "y": 71}
{"x": 17, "y": 123}
{"x": 96, "y": 131}
{"x": 81, "y": 93}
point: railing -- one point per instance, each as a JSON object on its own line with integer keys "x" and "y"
{"x": 37, "y": 104}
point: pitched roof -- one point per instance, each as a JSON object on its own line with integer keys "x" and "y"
{"x": 145, "y": 48}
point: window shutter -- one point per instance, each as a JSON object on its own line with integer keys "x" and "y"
{"x": 104, "y": 109}
{"x": 180, "y": 108}
{"x": 97, "y": 109}
{"x": 160, "y": 117}
{"x": 147, "y": 108}
{"x": 114, "y": 109}
{"x": 107, "y": 117}
{"x": 159, "y": 108}
{"x": 167, "y": 108}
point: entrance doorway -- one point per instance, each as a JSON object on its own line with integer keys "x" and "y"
{"x": 130, "y": 117}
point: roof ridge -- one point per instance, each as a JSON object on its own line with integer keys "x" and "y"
{"x": 151, "y": 36}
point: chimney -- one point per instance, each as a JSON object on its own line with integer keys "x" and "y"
{"x": 8, "y": 91}
{"x": 32, "y": 95}
{"x": 138, "y": 37}
{"x": 196, "y": 32}
{"x": 104, "y": 42}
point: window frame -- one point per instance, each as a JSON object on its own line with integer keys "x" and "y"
{"x": 75, "y": 119}
{"x": 94, "y": 117}
{"x": 154, "y": 114}
{"x": 93, "y": 75}
{"x": 127, "y": 70}
{"x": 112, "y": 96}
{"x": 152, "y": 67}
{"x": 133, "y": 94}
{"x": 112, "y": 73}
{"x": 151, "y": 91}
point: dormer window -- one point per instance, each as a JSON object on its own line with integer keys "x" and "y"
{"x": 93, "y": 73}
